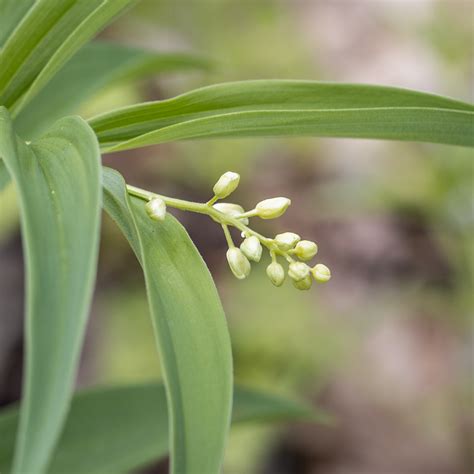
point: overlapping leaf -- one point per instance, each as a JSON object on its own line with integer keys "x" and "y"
{"x": 95, "y": 67}
{"x": 118, "y": 429}
{"x": 4, "y": 176}
{"x": 190, "y": 330}
{"x": 58, "y": 184}
{"x": 289, "y": 108}
{"x": 11, "y": 13}
{"x": 50, "y": 33}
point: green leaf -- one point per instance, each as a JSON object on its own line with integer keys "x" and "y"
{"x": 251, "y": 405}
{"x": 286, "y": 108}
{"x": 95, "y": 67}
{"x": 58, "y": 184}
{"x": 4, "y": 176}
{"x": 11, "y": 13}
{"x": 50, "y": 33}
{"x": 118, "y": 429}
{"x": 190, "y": 329}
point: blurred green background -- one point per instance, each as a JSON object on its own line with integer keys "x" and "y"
{"x": 386, "y": 346}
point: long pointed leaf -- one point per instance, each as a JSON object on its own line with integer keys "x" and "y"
{"x": 58, "y": 183}
{"x": 50, "y": 33}
{"x": 118, "y": 429}
{"x": 289, "y": 108}
{"x": 95, "y": 67}
{"x": 4, "y": 176}
{"x": 190, "y": 330}
{"x": 11, "y": 13}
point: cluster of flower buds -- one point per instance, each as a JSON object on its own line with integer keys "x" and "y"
{"x": 302, "y": 275}
{"x": 287, "y": 245}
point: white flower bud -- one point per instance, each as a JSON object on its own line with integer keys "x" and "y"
{"x": 287, "y": 240}
{"x": 276, "y": 273}
{"x": 321, "y": 273}
{"x": 306, "y": 250}
{"x": 226, "y": 184}
{"x": 232, "y": 210}
{"x": 298, "y": 271}
{"x": 156, "y": 209}
{"x": 238, "y": 263}
{"x": 272, "y": 208}
{"x": 252, "y": 248}
{"x": 304, "y": 284}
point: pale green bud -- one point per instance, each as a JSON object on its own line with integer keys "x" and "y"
{"x": 252, "y": 248}
{"x": 321, "y": 273}
{"x": 287, "y": 240}
{"x": 226, "y": 184}
{"x": 232, "y": 210}
{"x": 238, "y": 263}
{"x": 306, "y": 250}
{"x": 298, "y": 271}
{"x": 304, "y": 284}
{"x": 276, "y": 273}
{"x": 156, "y": 209}
{"x": 272, "y": 208}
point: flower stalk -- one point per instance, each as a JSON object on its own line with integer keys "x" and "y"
{"x": 288, "y": 245}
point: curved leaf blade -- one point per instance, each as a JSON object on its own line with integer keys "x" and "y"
{"x": 4, "y": 176}
{"x": 126, "y": 427}
{"x": 289, "y": 108}
{"x": 190, "y": 330}
{"x": 47, "y": 37}
{"x": 93, "y": 68}
{"x": 252, "y": 405}
{"x": 58, "y": 184}
{"x": 11, "y": 13}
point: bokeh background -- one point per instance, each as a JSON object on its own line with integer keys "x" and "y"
{"x": 385, "y": 347}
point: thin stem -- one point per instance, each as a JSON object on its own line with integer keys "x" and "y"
{"x": 212, "y": 201}
{"x": 228, "y": 237}
{"x": 205, "y": 208}
{"x": 251, "y": 213}
{"x": 171, "y": 202}
{"x": 139, "y": 193}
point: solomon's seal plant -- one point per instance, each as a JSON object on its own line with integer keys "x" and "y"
{"x": 48, "y": 67}
{"x": 288, "y": 245}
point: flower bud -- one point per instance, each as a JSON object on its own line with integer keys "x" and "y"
{"x": 226, "y": 184}
{"x": 321, "y": 273}
{"x": 287, "y": 240}
{"x": 306, "y": 250}
{"x": 298, "y": 271}
{"x": 304, "y": 284}
{"x": 238, "y": 263}
{"x": 272, "y": 208}
{"x": 276, "y": 273}
{"x": 252, "y": 248}
{"x": 156, "y": 209}
{"x": 232, "y": 210}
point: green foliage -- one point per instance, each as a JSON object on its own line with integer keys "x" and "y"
{"x": 11, "y": 13}
{"x": 190, "y": 330}
{"x": 58, "y": 181}
{"x": 50, "y": 33}
{"x": 117, "y": 429}
{"x": 4, "y": 177}
{"x": 95, "y": 67}
{"x": 283, "y": 108}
